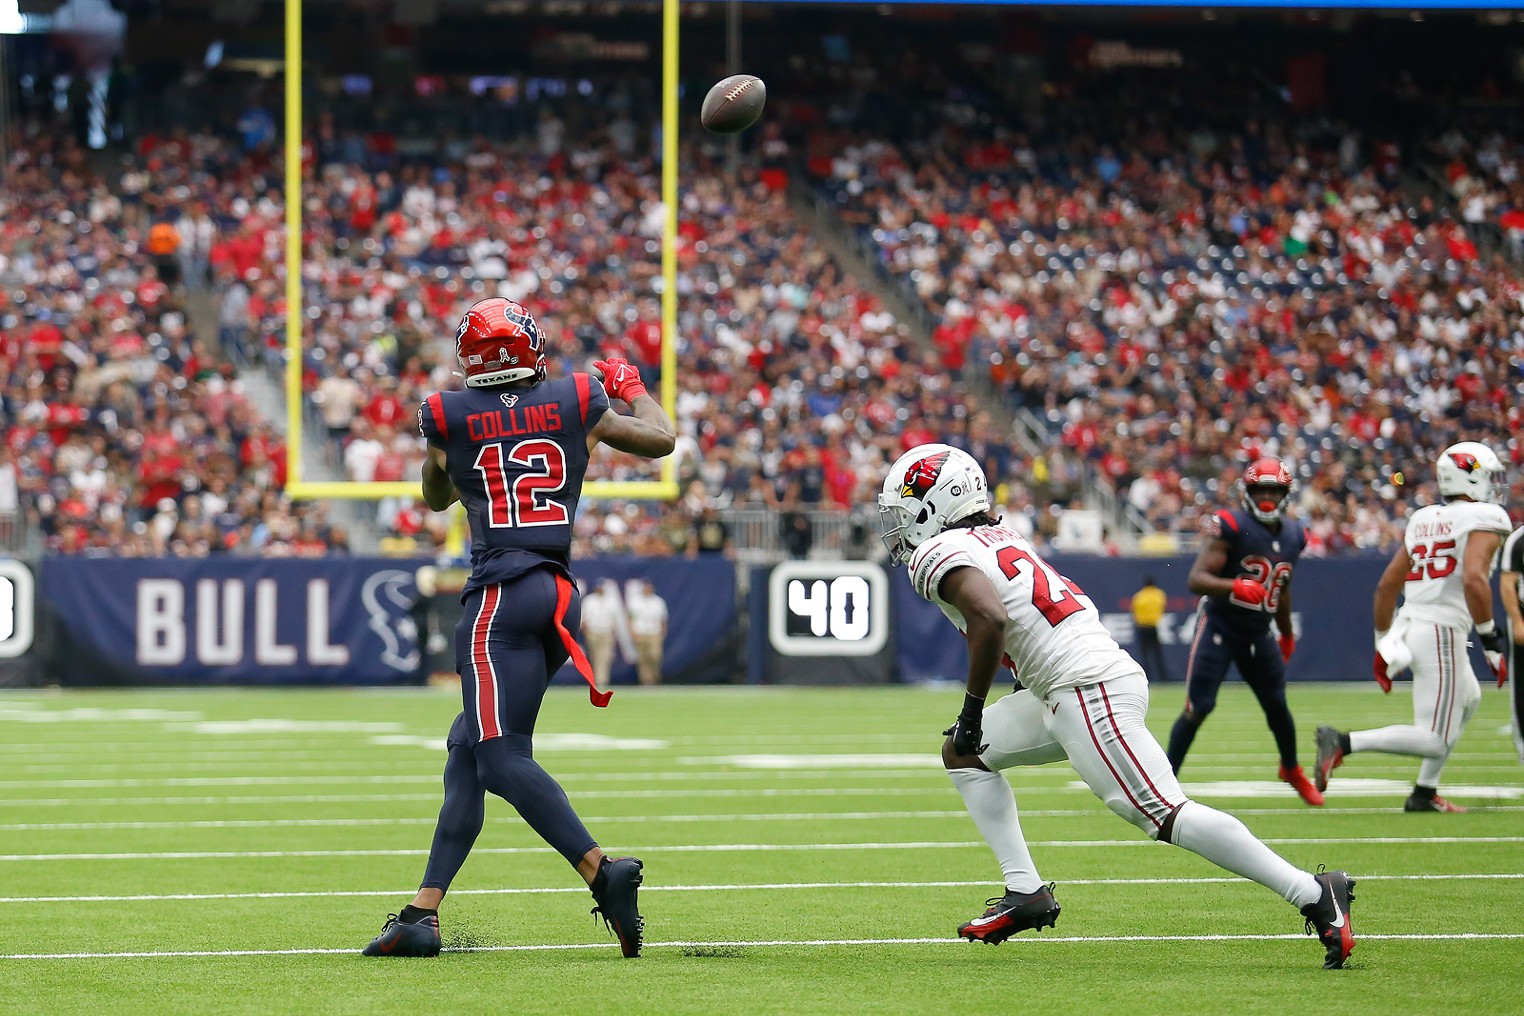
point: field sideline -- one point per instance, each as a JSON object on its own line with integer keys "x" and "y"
{"x": 227, "y": 851}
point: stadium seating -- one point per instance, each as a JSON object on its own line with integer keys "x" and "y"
{"x": 1175, "y": 306}
{"x": 124, "y": 435}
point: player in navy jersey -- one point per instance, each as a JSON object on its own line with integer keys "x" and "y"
{"x": 513, "y": 448}
{"x": 1243, "y": 575}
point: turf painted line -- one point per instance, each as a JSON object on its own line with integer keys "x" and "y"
{"x": 707, "y": 817}
{"x": 675, "y": 792}
{"x": 564, "y": 777}
{"x": 811, "y": 816}
{"x": 764, "y": 944}
{"x": 688, "y": 848}
{"x": 748, "y": 886}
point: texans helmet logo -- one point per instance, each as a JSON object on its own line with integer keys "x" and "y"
{"x": 1466, "y": 461}
{"x": 922, "y": 474}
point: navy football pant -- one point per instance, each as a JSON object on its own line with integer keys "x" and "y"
{"x": 510, "y": 643}
{"x": 1214, "y": 648}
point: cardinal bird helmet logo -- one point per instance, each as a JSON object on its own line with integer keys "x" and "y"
{"x": 921, "y": 475}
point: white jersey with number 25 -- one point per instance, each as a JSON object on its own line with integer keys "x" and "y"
{"x": 1055, "y": 639}
{"x": 1436, "y": 542}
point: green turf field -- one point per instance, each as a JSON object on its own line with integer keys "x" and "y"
{"x": 231, "y": 851}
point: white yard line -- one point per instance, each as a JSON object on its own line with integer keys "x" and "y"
{"x": 752, "y": 886}
{"x": 667, "y": 792}
{"x": 771, "y": 943}
{"x": 734, "y": 848}
{"x": 712, "y": 817}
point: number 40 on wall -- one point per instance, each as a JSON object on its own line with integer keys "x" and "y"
{"x": 828, "y": 608}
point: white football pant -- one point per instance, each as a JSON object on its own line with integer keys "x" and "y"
{"x": 1445, "y": 695}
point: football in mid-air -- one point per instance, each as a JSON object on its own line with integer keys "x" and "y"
{"x": 733, "y": 104}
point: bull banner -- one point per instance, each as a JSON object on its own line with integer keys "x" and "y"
{"x": 215, "y": 620}
{"x": 1331, "y": 614}
{"x": 335, "y": 620}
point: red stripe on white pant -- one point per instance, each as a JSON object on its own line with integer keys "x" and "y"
{"x": 1095, "y": 738}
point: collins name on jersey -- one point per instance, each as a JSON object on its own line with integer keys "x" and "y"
{"x": 1436, "y": 541}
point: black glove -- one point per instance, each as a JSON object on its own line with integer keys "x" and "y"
{"x": 1492, "y": 641}
{"x": 967, "y": 731}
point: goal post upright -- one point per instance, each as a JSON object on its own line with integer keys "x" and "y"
{"x": 663, "y": 489}
{"x": 293, "y": 199}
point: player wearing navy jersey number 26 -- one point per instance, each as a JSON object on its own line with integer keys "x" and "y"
{"x": 513, "y": 448}
{"x": 1443, "y": 572}
{"x": 1083, "y": 698}
{"x": 1243, "y": 575}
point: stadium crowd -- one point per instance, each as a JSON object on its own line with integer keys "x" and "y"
{"x": 1178, "y": 301}
{"x": 1168, "y": 304}
{"x": 123, "y": 433}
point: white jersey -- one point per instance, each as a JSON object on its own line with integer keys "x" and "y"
{"x": 1055, "y": 639}
{"x": 1436, "y": 542}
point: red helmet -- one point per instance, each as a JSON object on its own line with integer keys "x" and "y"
{"x": 1265, "y": 489}
{"x": 497, "y": 342}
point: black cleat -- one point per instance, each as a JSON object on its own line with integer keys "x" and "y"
{"x": 1011, "y": 913}
{"x": 1330, "y": 755}
{"x": 614, "y": 888}
{"x": 1329, "y": 918}
{"x": 397, "y": 939}
{"x": 1435, "y": 803}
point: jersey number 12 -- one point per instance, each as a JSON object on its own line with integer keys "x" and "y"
{"x": 524, "y": 501}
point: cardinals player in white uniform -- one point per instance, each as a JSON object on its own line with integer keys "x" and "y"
{"x": 1443, "y": 572}
{"x": 1082, "y": 698}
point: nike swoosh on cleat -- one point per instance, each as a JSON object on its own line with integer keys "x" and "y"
{"x": 387, "y": 947}
{"x": 1339, "y": 913}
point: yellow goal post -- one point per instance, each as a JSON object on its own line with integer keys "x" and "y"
{"x": 664, "y": 489}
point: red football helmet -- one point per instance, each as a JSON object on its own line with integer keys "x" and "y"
{"x": 498, "y": 341}
{"x": 1265, "y": 489}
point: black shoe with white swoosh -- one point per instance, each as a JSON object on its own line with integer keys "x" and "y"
{"x": 1011, "y": 913}
{"x": 1329, "y": 918}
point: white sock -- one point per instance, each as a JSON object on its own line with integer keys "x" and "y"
{"x": 1402, "y": 739}
{"x": 992, "y": 805}
{"x": 1228, "y": 843}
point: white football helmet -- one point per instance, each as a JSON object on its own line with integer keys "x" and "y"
{"x": 928, "y": 489}
{"x": 1473, "y": 470}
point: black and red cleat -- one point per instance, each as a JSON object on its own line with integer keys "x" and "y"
{"x": 615, "y": 888}
{"x": 1011, "y": 913}
{"x": 1330, "y": 755}
{"x": 1417, "y": 802}
{"x": 418, "y": 938}
{"x": 1329, "y": 918}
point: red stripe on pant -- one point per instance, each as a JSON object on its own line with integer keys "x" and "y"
{"x": 1190, "y": 660}
{"x": 578, "y": 657}
{"x": 1449, "y": 667}
{"x": 1079, "y": 694}
{"x": 481, "y": 665}
{"x": 1128, "y": 749}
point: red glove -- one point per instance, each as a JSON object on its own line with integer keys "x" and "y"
{"x": 1381, "y": 678}
{"x": 621, "y": 379}
{"x": 1288, "y": 646}
{"x": 1501, "y": 669}
{"x": 1247, "y": 592}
